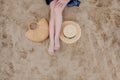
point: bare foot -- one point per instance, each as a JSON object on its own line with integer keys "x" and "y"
{"x": 57, "y": 44}
{"x": 51, "y": 48}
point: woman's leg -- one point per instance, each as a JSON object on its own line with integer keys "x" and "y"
{"x": 52, "y": 28}
{"x": 60, "y": 5}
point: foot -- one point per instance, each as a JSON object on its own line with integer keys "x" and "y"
{"x": 57, "y": 44}
{"x": 51, "y": 48}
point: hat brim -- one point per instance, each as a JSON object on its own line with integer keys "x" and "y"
{"x": 74, "y": 39}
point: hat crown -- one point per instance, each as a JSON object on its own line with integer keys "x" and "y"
{"x": 69, "y": 31}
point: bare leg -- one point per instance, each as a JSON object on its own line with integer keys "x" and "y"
{"x": 51, "y": 28}
{"x": 60, "y": 5}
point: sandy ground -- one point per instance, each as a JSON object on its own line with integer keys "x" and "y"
{"x": 96, "y": 56}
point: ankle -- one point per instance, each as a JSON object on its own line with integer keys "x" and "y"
{"x": 51, "y": 39}
{"x": 56, "y": 37}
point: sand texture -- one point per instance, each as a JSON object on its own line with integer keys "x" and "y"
{"x": 96, "y": 56}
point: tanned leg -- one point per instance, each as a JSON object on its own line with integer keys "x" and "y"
{"x": 60, "y": 5}
{"x": 52, "y": 28}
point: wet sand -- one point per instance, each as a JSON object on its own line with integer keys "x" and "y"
{"x": 96, "y": 56}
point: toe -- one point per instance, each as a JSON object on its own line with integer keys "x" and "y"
{"x": 57, "y": 48}
{"x": 51, "y": 52}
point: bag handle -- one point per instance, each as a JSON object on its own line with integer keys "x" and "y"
{"x": 33, "y": 22}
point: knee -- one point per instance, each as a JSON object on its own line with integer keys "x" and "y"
{"x": 52, "y": 5}
{"x": 58, "y": 9}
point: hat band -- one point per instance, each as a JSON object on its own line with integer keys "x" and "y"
{"x": 69, "y": 37}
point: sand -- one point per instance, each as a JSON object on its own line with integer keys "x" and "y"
{"x": 96, "y": 56}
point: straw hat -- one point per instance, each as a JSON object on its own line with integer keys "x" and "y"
{"x": 70, "y": 32}
{"x": 41, "y": 31}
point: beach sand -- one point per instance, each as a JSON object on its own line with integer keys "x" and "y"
{"x": 96, "y": 56}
